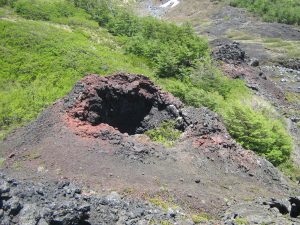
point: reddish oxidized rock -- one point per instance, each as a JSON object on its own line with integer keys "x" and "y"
{"x": 129, "y": 103}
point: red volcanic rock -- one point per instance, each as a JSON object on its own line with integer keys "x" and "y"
{"x": 129, "y": 103}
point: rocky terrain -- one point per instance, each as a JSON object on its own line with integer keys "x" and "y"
{"x": 98, "y": 128}
{"x": 86, "y": 158}
{"x": 63, "y": 203}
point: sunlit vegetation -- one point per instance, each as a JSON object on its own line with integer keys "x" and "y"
{"x": 283, "y": 11}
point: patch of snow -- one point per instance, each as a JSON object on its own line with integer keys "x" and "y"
{"x": 171, "y": 3}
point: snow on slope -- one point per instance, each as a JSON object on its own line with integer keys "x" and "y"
{"x": 171, "y": 3}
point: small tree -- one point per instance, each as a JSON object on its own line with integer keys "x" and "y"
{"x": 255, "y": 131}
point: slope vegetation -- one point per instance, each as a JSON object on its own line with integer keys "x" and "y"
{"x": 41, "y": 61}
{"x": 46, "y": 46}
{"x": 279, "y": 10}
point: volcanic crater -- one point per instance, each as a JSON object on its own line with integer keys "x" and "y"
{"x": 130, "y": 104}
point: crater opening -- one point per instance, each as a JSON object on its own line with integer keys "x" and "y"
{"x": 129, "y": 103}
{"x": 122, "y": 111}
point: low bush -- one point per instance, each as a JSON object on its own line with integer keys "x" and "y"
{"x": 165, "y": 133}
{"x": 58, "y": 11}
{"x": 6, "y": 2}
{"x": 44, "y": 9}
{"x": 206, "y": 86}
{"x": 201, "y": 218}
{"x": 173, "y": 50}
{"x": 291, "y": 169}
{"x": 250, "y": 121}
{"x": 258, "y": 132}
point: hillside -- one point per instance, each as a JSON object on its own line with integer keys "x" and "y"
{"x": 241, "y": 39}
{"x": 199, "y": 122}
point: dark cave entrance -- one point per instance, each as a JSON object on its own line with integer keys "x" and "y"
{"x": 295, "y": 207}
{"x": 122, "y": 111}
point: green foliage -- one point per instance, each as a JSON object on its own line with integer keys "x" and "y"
{"x": 44, "y": 9}
{"x": 191, "y": 94}
{"x": 283, "y": 11}
{"x": 291, "y": 170}
{"x": 258, "y": 132}
{"x": 58, "y": 11}
{"x": 159, "y": 202}
{"x": 241, "y": 221}
{"x": 253, "y": 126}
{"x": 40, "y": 62}
{"x": 206, "y": 86}
{"x": 209, "y": 78}
{"x": 160, "y": 222}
{"x": 201, "y": 217}
{"x": 172, "y": 49}
{"x": 165, "y": 133}
{"x": 6, "y": 2}
{"x": 2, "y": 161}
{"x": 292, "y": 97}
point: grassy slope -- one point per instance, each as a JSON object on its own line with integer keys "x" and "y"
{"x": 282, "y": 11}
{"x": 276, "y": 47}
{"x": 41, "y": 61}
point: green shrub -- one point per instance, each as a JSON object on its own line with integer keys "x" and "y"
{"x": 44, "y": 9}
{"x": 2, "y": 161}
{"x": 241, "y": 221}
{"x": 41, "y": 62}
{"x": 173, "y": 50}
{"x": 206, "y": 86}
{"x": 257, "y": 132}
{"x": 165, "y": 133}
{"x": 201, "y": 217}
{"x": 58, "y": 11}
{"x": 253, "y": 125}
{"x": 7, "y": 2}
{"x": 208, "y": 77}
{"x": 193, "y": 95}
{"x": 282, "y": 11}
{"x": 100, "y": 10}
{"x": 291, "y": 170}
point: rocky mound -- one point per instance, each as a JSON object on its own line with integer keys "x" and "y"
{"x": 94, "y": 137}
{"x": 229, "y": 52}
{"x": 293, "y": 64}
